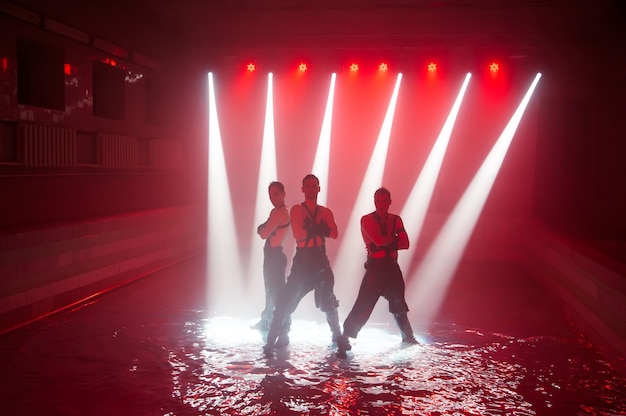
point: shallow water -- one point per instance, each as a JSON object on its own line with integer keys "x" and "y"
{"x": 135, "y": 352}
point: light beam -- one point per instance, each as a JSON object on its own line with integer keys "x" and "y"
{"x": 348, "y": 268}
{"x": 416, "y": 206}
{"x": 322, "y": 155}
{"x": 267, "y": 174}
{"x": 224, "y": 272}
{"x": 430, "y": 282}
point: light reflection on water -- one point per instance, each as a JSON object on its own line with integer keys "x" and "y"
{"x": 477, "y": 374}
{"x": 180, "y": 363}
{"x": 497, "y": 348}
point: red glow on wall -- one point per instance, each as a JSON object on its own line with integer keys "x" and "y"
{"x": 4, "y": 64}
{"x": 67, "y": 69}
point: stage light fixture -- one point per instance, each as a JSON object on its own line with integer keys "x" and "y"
{"x": 494, "y": 67}
{"x": 432, "y": 67}
{"x": 302, "y": 67}
{"x": 383, "y": 67}
{"x": 251, "y": 67}
{"x": 354, "y": 67}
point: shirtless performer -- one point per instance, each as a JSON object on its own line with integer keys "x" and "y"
{"x": 311, "y": 224}
{"x": 383, "y": 234}
{"x": 274, "y": 232}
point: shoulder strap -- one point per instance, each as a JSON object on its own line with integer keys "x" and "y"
{"x": 383, "y": 228}
{"x": 311, "y": 214}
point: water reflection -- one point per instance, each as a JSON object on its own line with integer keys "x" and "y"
{"x": 456, "y": 372}
{"x": 497, "y": 348}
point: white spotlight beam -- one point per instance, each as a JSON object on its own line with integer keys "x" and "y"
{"x": 349, "y": 269}
{"x": 224, "y": 261}
{"x": 428, "y": 287}
{"x": 322, "y": 155}
{"x": 267, "y": 174}
{"x": 418, "y": 201}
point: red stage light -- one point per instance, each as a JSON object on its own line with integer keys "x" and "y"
{"x": 383, "y": 67}
{"x": 302, "y": 67}
{"x": 432, "y": 67}
{"x": 354, "y": 67}
{"x": 494, "y": 67}
{"x": 251, "y": 67}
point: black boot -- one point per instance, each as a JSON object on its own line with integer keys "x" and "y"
{"x": 274, "y": 331}
{"x": 405, "y": 328}
{"x": 263, "y": 325}
{"x": 283, "y": 338}
{"x": 343, "y": 344}
{"x": 332, "y": 317}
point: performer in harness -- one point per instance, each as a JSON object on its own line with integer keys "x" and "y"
{"x": 311, "y": 224}
{"x": 383, "y": 234}
{"x": 274, "y": 232}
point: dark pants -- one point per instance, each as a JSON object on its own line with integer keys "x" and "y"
{"x": 382, "y": 278}
{"x": 310, "y": 271}
{"x": 274, "y": 264}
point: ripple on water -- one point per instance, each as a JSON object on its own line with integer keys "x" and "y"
{"x": 467, "y": 373}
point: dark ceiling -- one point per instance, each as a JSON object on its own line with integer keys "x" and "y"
{"x": 212, "y": 28}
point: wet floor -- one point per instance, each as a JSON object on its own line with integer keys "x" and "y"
{"x": 498, "y": 347}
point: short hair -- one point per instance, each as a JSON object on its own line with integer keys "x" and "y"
{"x": 382, "y": 191}
{"x": 279, "y": 185}
{"x": 310, "y": 176}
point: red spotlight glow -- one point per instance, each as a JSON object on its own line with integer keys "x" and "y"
{"x": 354, "y": 67}
{"x": 432, "y": 67}
{"x": 4, "y": 64}
{"x": 383, "y": 67}
{"x": 494, "y": 67}
{"x": 302, "y": 67}
{"x": 250, "y": 67}
{"x": 109, "y": 61}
